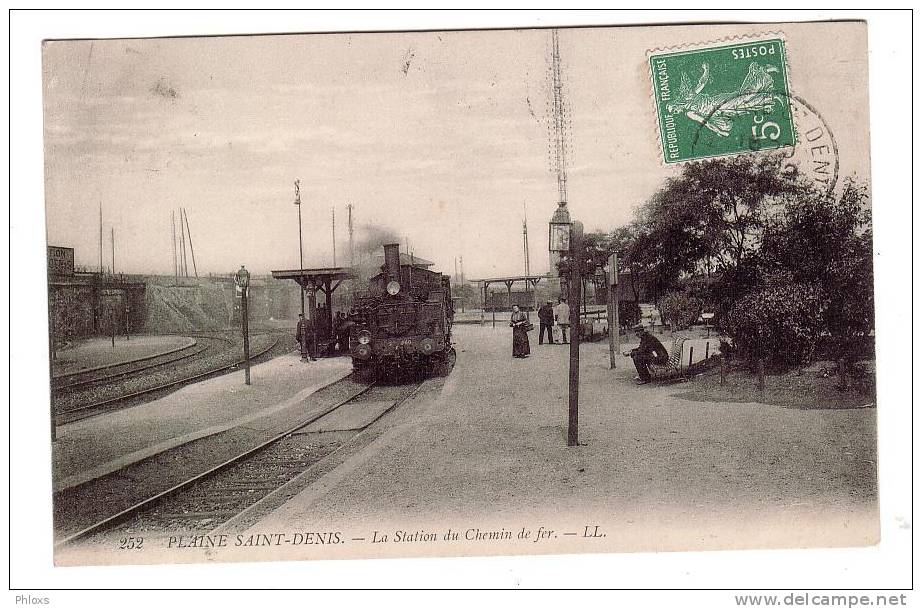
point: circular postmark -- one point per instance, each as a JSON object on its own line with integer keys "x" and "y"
{"x": 814, "y": 155}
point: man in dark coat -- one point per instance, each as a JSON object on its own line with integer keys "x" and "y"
{"x": 305, "y": 337}
{"x": 546, "y": 320}
{"x": 650, "y": 351}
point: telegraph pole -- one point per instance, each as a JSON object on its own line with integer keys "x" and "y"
{"x": 351, "y": 247}
{"x": 333, "y": 210}
{"x": 184, "y": 267}
{"x": 191, "y": 249}
{"x": 100, "y": 238}
{"x": 175, "y": 261}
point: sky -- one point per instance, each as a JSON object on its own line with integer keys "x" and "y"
{"x": 438, "y": 137}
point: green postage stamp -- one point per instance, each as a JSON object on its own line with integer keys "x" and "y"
{"x": 722, "y": 100}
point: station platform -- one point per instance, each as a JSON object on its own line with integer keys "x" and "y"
{"x": 93, "y": 447}
{"x": 487, "y": 451}
{"x": 93, "y": 353}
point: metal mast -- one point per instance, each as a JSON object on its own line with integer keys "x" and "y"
{"x": 559, "y": 112}
{"x": 175, "y": 265}
{"x": 191, "y": 249}
{"x": 525, "y": 236}
{"x": 351, "y": 247}
{"x": 100, "y": 237}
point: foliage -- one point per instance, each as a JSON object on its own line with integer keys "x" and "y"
{"x": 628, "y": 313}
{"x": 680, "y": 308}
{"x": 828, "y": 242}
{"x": 779, "y": 323}
{"x": 710, "y": 218}
{"x": 64, "y": 313}
{"x": 780, "y": 263}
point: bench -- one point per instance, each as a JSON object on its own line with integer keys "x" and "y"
{"x": 678, "y": 367}
{"x": 672, "y": 369}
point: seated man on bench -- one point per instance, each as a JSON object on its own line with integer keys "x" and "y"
{"x": 650, "y": 351}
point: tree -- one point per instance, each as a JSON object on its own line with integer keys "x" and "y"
{"x": 711, "y": 217}
{"x": 828, "y": 242}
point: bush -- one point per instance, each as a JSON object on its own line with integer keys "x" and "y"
{"x": 628, "y": 313}
{"x": 779, "y": 323}
{"x": 681, "y": 309}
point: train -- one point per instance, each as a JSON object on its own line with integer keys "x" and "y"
{"x": 401, "y": 324}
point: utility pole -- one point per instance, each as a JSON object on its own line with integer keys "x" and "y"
{"x": 182, "y": 237}
{"x": 576, "y": 280}
{"x": 351, "y": 247}
{"x": 614, "y": 324}
{"x": 300, "y": 241}
{"x": 175, "y": 261}
{"x": 191, "y": 249}
{"x": 100, "y": 238}
{"x": 525, "y": 246}
{"x": 333, "y": 210}
{"x": 113, "y": 250}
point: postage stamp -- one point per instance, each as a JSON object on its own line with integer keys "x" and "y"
{"x": 722, "y": 100}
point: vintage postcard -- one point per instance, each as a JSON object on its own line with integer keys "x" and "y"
{"x": 460, "y": 293}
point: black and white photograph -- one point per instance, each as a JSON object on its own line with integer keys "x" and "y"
{"x": 544, "y": 290}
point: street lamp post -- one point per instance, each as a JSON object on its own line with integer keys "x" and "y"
{"x": 566, "y": 239}
{"x": 242, "y": 280}
{"x": 300, "y": 240}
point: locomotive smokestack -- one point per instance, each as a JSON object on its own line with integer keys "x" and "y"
{"x": 392, "y": 259}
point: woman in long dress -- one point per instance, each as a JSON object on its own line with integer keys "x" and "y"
{"x": 519, "y": 322}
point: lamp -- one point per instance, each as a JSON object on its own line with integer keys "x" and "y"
{"x": 559, "y": 234}
{"x": 242, "y": 280}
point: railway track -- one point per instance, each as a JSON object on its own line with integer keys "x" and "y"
{"x": 120, "y": 370}
{"x": 240, "y": 483}
{"x": 122, "y": 390}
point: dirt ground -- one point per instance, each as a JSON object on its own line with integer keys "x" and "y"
{"x": 815, "y": 387}
{"x": 655, "y": 471}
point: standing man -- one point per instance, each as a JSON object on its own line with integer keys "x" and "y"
{"x": 304, "y": 335}
{"x": 546, "y": 320}
{"x": 650, "y": 351}
{"x": 562, "y": 315}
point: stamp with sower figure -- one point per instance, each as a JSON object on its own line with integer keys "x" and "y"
{"x": 722, "y": 100}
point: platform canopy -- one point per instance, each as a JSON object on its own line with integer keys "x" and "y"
{"x": 325, "y": 280}
{"x": 532, "y": 279}
{"x": 317, "y": 279}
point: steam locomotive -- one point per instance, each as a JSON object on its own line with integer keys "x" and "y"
{"x": 402, "y": 322}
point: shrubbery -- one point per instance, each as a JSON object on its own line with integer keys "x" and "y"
{"x": 779, "y": 323}
{"x": 680, "y": 308}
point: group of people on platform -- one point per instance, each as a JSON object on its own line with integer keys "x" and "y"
{"x": 650, "y": 351}
{"x": 336, "y": 339}
{"x": 549, "y": 317}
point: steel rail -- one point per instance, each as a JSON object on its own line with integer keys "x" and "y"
{"x": 120, "y": 516}
{"x": 182, "y": 381}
